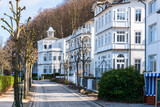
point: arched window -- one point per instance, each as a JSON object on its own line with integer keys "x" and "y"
{"x": 120, "y": 61}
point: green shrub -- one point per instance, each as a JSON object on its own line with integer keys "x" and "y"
{"x": 6, "y": 81}
{"x": 34, "y": 75}
{"x": 49, "y": 76}
{"x": 122, "y": 85}
{"x": 36, "y": 78}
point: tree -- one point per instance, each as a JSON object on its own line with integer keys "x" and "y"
{"x": 77, "y": 57}
{"x": 28, "y": 53}
{"x": 84, "y": 59}
{"x": 15, "y": 19}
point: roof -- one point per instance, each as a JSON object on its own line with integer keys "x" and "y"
{"x": 50, "y": 29}
{"x": 50, "y": 38}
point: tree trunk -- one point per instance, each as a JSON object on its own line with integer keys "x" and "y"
{"x": 67, "y": 73}
{"x": 77, "y": 76}
{"x": 83, "y": 73}
{"x": 31, "y": 76}
{"x": 25, "y": 82}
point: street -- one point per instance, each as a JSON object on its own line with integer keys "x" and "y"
{"x": 49, "y": 94}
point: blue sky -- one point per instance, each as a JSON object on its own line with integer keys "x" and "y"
{"x": 32, "y": 8}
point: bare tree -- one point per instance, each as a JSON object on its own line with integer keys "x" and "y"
{"x": 84, "y": 58}
{"x": 15, "y": 18}
{"x": 77, "y": 57}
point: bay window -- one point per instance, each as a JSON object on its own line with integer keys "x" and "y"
{"x": 121, "y": 14}
{"x": 120, "y": 36}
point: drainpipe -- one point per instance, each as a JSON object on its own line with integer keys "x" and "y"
{"x": 130, "y": 37}
{"x": 145, "y": 28}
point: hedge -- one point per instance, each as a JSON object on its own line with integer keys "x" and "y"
{"x": 5, "y": 82}
{"x": 49, "y": 76}
{"x": 122, "y": 85}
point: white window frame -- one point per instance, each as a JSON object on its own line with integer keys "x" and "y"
{"x": 138, "y": 37}
{"x": 138, "y": 15}
{"x": 152, "y": 33}
{"x": 137, "y": 63}
{"x": 122, "y": 14}
{"x": 121, "y": 36}
{"x": 153, "y": 63}
{"x": 152, "y": 6}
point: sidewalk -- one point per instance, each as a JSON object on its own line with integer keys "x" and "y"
{"x": 6, "y": 100}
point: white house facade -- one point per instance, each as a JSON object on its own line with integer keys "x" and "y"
{"x": 152, "y": 48}
{"x": 50, "y": 54}
{"x": 119, "y": 34}
{"x": 84, "y": 33}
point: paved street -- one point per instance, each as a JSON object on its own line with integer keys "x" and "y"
{"x": 48, "y": 94}
{"x": 7, "y": 99}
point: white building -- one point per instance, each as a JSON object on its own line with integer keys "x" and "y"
{"x": 84, "y": 33}
{"x": 119, "y": 34}
{"x": 50, "y": 54}
{"x": 152, "y": 48}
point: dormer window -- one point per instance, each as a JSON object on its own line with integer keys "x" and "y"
{"x": 50, "y": 46}
{"x": 45, "y": 46}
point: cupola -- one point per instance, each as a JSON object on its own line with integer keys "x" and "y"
{"x": 50, "y": 32}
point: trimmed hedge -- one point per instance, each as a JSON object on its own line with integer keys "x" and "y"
{"x": 49, "y": 76}
{"x": 122, "y": 85}
{"x": 5, "y": 82}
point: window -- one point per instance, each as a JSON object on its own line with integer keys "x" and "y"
{"x": 152, "y": 6}
{"x": 106, "y": 18}
{"x": 50, "y": 69}
{"x": 99, "y": 22}
{"x": 120, "y": 61}
{"x": 138, "y": 37}
{"x": 109, "y": 16}
{"x": 45, "y": 57}
{"x": 45, "y": 69}
{"x": 54, "y": 57}
{"x": 54, "y": 70}
{"x": 121, "y": 14}
{"x": 152, "y": 63}
{"x": 59, "y": 70}
{"x": 45, "y": 46}
{"x": 50, "y": 57}
{"x": 109, "y": 36}
{"x": 105, "y": 38}
{"x": 102, "y": 20}
{"x": 153, "y": 33}
{"x": 50, "y": 46}
{"x": 120, "y": 36}
{"x": 102, "y": 40}
{"x": 138, "y": 16}
{"x": 59, "y": 57}
{"x": 96, "y": 45}
{"x": 96, "y": 26}
{"x": 99, "y": 41}
{"x": 138, "y": 64}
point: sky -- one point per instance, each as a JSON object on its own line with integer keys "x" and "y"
{"x": 32, "y": 9}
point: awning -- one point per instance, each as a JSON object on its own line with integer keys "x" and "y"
{"x": 150, "y": 83}
{"x": 152, "y": 74}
